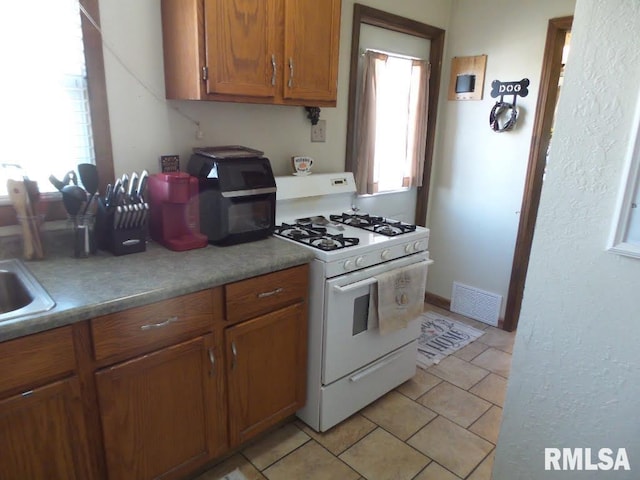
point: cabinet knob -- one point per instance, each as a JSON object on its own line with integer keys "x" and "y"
{"x": 290, "y": 72}
{"x": 212, "y": 360}
{"x": 234, "y": 352}
{"x": 274, "y": 69}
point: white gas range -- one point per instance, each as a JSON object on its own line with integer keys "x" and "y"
{"x": 350, "y": 363}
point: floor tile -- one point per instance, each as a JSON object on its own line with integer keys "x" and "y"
{"x": 398, "y": 415}
{"x": 488, "y": 425}
{"x": 310, "y": 462}
{"x": 471, "y": 351}
{"x": 229, "y": 465}
{"x": 455, "y": 404}
{"x": 453, "y": 447}
{"x": 275, "y": 445}
{"x": 492, "y": 388}
{"x": 495, "y": 360}
{"x": 381, "y": 456}
{"x": 469, "y": 321}
{"x": 500, "y": 339}
{"x": 343, "y": 435}
{"x": 484, "y": 470}
{"x": 436, "y": 472}
{"x": 457, "y": 371}
{"x": 420, "y": 384}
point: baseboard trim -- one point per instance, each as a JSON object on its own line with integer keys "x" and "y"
{"x": 437, "y": 300}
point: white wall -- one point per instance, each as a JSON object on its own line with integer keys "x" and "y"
{"x": 479, "y": 174}
{"x": 574, "y": 378}
{"x": 145, "y": 126}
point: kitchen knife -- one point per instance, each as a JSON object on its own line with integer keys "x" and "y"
{"x": 142, "y": 185}
{"x": 108, "y": 195}
{"x": 133, "y": 187}
{"x": 117, "y": 217}
{"x": 125, "y": 182}
{"x": 127, "y": 217}
{"x": 119, "y": 198}
{"x": 145, "y": 213}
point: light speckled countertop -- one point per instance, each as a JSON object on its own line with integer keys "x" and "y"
{"x": 103, "y": 283}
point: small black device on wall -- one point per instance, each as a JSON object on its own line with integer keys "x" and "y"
{"x": 466, "y": 80}
{"x": 465, "y": 83}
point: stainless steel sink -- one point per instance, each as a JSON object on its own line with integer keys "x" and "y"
{"x": 20, "y": 292}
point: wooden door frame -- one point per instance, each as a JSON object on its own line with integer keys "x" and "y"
{"x": 378, "y": 18}
{"x": 545, "y": 108}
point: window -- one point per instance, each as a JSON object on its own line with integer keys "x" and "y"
{"x": 391, "y": 123}
{"x": 52, "y": 59}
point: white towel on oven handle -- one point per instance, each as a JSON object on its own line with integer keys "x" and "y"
{"x": 397, "y": 297}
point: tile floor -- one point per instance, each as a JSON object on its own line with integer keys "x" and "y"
{"x": 441, "y": 425}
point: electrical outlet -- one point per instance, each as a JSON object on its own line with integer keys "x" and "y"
{"x": 319, "y": 131}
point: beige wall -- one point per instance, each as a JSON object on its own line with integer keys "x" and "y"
{"x": 144, "y": 125}
{"x": 574, "y": 378}
{"x": 479, "y": 174}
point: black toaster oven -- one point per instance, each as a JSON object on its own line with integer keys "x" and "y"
{"x": 237, "y": 194}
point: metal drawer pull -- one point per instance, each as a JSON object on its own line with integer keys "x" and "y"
{"x": 159, "y": 325}
{"x": 273, "y": 66}
{"x": 212, "y": 360}
{"x": 234, "y": 352}
{"x": 290, "y": 72}
{"x": 271, "y": 293}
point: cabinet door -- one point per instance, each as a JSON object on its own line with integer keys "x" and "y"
{"x": 266, "y": 370}
{"x": 163, "y": 414}
{"x": 311, "y": 40}
{"x": 43, "y": 435}
{"x": 241, "y": 47}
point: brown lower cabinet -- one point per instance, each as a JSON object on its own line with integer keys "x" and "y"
{"x": 42, "y": 434}
{"x": 161, "y": 412}
{"x": 266, "y": 378}
{"x": 155, "y": 392}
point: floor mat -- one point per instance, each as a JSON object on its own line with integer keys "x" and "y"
{"x": 235, "y": 475}
{"x": 441, "y": 336}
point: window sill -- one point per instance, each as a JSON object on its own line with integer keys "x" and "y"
{"x": 51, "y": 226}
{"x": 386, "y": 192}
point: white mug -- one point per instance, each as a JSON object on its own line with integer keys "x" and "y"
{"x": 302, "y": 164}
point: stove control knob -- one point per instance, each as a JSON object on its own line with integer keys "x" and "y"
{"x": 385, "y": 254}
{"x": 348, "y": 265}
{"x": 408, "y": 248}
{"x": 359, "y": 261}
{"x": 417, "y": 245}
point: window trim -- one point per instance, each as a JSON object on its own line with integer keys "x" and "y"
{"x": 100, "y": 125}
{"x": 378, "y": 18}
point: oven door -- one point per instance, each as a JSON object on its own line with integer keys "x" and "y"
{"x": 350, "y": 341}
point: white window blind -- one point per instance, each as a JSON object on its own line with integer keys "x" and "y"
{"x": 45, "y": 125}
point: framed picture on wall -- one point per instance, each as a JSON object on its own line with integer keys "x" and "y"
{"x": 625, "y": 234}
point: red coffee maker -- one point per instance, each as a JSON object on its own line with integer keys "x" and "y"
{"x": 175, "y": 217}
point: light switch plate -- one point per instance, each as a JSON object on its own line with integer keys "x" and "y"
{"x": 319, "y": 131}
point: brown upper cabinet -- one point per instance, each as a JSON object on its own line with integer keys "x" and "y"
{"x": 257, "y": 51}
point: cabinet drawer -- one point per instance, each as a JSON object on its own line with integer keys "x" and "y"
{"x": 258, "y": 295}
{"x": 156, "y": 325}
{"x": 31, "y": 360}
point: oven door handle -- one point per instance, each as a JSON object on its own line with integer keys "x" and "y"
{"x": 368, "y": 281}
{"x": 354, "y": 286}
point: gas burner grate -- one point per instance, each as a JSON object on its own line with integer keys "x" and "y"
{"x": 381, "y": 225}
{"x": 316, "y": 237}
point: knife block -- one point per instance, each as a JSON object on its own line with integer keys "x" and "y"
{"x": 119, "y": 241}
